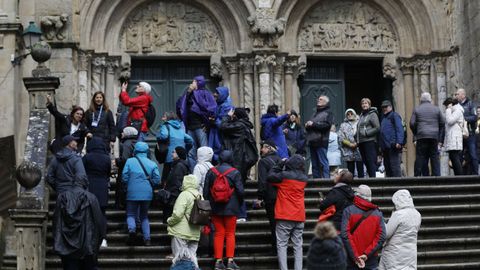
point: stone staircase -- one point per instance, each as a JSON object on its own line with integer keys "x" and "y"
{"x": 449, "y": 237}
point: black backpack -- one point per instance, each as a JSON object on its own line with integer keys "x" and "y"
{"x": 150, "y": 115}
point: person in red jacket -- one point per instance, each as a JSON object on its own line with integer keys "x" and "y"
{"x": 363, "y": 231}
{"x": 290, "y": 179}
{"x": 138, "y": 107}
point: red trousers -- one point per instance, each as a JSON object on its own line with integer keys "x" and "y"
{"x": 225, "y": 227}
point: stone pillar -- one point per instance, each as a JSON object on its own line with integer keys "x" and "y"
{"x": 290, "y": 66}
{"x": 440, "y": 69}
{"x": 246, "y": 64}
{"x": 83, "y": 68}
{"x": 263, "y": 63}
{"x": 278, "y": 95}
{"x": 232, "y": 68}
{"x": 423, "y": 68}
{"x": 30, "y": 214}
{"x": 98, "y": 73}
{"x": 111, "y": 88}
{"x": 407, "y": 72}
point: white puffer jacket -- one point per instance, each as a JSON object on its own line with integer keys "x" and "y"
{"x": 453, "y": 128}
{"x": 204, "y": 157}
{"x": 400, "y": 249}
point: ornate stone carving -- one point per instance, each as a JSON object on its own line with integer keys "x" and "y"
{"x": 112, "y": 64}
{"x": 263, "y": 62}
{"x": 302, "y": 65}
{"x": 291, "y": 65}
{"x": 98, "y": 65}
{"x": 232, "y": 66}
{"x": 265, "y": 28}
{"x": 346, "y": 25}
{"x": 163, "y": 27}
{"x": 84, "y": 58}
{"x": 125, "y": 72}
{"x": 246, "y": 64}
{"x": 423, "y": 66}
{"x": 406, "y": 66}
{"x": 54, "y": 26}
{"x": 216, "y": 67}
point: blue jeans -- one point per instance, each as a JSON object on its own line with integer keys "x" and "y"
{"x": 320, "y": 168}
{"x": 470, "y": 144}
{"x": 138, "y": 209}
{"x": 200, "y": 139}
{"x": 392, "y": 158}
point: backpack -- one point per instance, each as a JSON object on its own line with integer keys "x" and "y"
{"x": 150, "y": 115}
{"x": 221, "y": 190}
{"x": 201, "y": 210}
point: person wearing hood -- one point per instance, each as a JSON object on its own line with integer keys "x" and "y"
{"x": 72, "y": 124}
{"x": 334, "y": 155}
{"x": 400, "y": 249}
{"x": 128, "y": 139}
{"x": 185, "y": 236}
{"x": 367, "y": 130}
{"x": 139, "y": 190}
{"x": 99, "y": 120}
{"x": 340, "y": 196}
{"x": 294, "y": 134}
{"x": 349, "y": 147}
{"x": 204, "y": 159}
{"x": 173, "y": 131}
{"x": 326, "y": 251}
{"x": 138, "y": 107}
{"x": 363, "y": 231}
{"x": 196, "y": 107}
{"x": 272, "y": 129}
{"x": 238, "y": 137}
{"x": 290, "y": 179}
{"x": 453, "y": 143}
{"x": 318, "y": 129}
{"x": 97, "y": 164}
{"x": 224, "y": 215}
{"x": 173, "y": 183}
{"x": 224, "y": 105}
{"x": 267, "y": 194}
{"x": 76, "y": 210}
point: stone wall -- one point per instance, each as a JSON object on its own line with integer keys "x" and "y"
{"x": 469, "y": 48}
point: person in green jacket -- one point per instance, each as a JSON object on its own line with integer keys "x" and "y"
{"x": 185, "y": 236}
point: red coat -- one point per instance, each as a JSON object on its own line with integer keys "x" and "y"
{"x": 138, "y": 106}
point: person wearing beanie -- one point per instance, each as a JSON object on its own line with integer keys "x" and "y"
{"x": 139, "y": 191}
{"x": 348, "y": 145}
{"x": 138, "y": 107}
{"x": 363, "y": 231}
{"x": 174, "y": 180}
{"x": 272, "y": 129}
{"x": 196, "y": 108}
{"x": 185, "y": 236}
{"x": 326, "y": 251}
{"x": 294, "y": 134}
{"x": 238, "y": 138}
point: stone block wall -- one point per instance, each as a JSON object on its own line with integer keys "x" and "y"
{"x": 469, "y": 46}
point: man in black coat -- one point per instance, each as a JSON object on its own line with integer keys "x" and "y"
{"x": 267, "y": 194}
{"x": 318, "y": 131}
{"x": 428, "y": 127}
{"x": 175, "y": 179}
{"x": 78, "y": 223}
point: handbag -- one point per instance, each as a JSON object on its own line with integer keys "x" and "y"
{"x": 201, "y": 210}
{"x": 161, "y": 149}
{"x": 163, "y": 196}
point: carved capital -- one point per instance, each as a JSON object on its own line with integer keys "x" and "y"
{"x": 389, "y": 71}
{"x": 265, "y": 29}
{"x": 246, "y": 64}
{"x": 302, "y": 65}
{"x": 291, "y": 66}
{"x": 216, "y": 66}
{"x": 441, "y": 64}
{"x": 54, "y": 26}
{"x": 279, "y": 65}
{"x": 263, "y": 62}
{"x": 406, "y": 66}
{"x": 84, "y": 58}
{"x": 98, "y": 63}
{"x": 112, "y": 64}
{"x": 232, "y": 66}
{"x": 423, "y": 66}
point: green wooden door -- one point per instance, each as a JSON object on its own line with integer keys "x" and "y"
{"x": 323, "y": 78}
{"x": 168, "y": 78}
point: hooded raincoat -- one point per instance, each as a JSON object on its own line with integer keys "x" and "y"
{"x": 272, "y": 129}
{"x": 178, "y": 225}
{"x": 224, "y": 105}
{"x": 98, "y": 166}
{"x": 66, "y": 170}
{"x": 175, "y": 133}
{"x": 204, "y": 157}
{"x": 400, "y": 249}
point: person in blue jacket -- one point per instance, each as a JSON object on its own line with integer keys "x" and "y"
{"x": 224, "y": 105}
{"x": 391, "y": 140}
{"x": 173, "y": 130}
{"x": 139, "y": 190}
{"x": 272, "y": 129}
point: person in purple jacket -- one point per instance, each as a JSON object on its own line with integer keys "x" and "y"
{"x": 196, "y": 107}
{"x": 272, "y": 129}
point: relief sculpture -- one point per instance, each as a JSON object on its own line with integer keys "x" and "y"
{"x": 346, "y": 25}
{"x": 164, "y": 27}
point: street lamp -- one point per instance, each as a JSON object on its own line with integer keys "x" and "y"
{"x": 31, "y": 35}
{"x": 40, "y": 50}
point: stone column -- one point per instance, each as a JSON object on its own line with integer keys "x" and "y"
{"x": 246, "y": 64}
{"x": 263, "y": 63}
{"x": 232, "y": 68}
{"x": 111, "y": 88}
{"x": 277, "y": 83}
{"x": 290, "y": 66}
{"x": 423, "y": 68}
{"x": 407, "y": 72}
{"x": 440, "y": 69}
{"x": 31, "y": 211}
{"x": 83, "y": 68}
{"x": 98, "y": 73}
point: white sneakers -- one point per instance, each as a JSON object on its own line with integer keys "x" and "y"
{"x": 104, "y": 243}
{"x": 239, "y": 220}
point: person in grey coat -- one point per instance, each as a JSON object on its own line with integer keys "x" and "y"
{"x": 367, "y": 131}
{"x": 400, "y": 249}
{"x": 428, "y": 127}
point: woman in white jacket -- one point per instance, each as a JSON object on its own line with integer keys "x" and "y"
{"x": 453, "y": 143}
{"x": 400, "y": 249}
{"x": 204, "y": 159}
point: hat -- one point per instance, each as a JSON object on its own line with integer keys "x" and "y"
{"x": 130, "y": 131}
{"x": 270, "y": 143}
{"x": 364, "y": 192}
{"x": 241, "y": 113}
{"x": 386, "y": 103}
{"x": 68, "y": 138}
{"x": 181, "y": 152}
